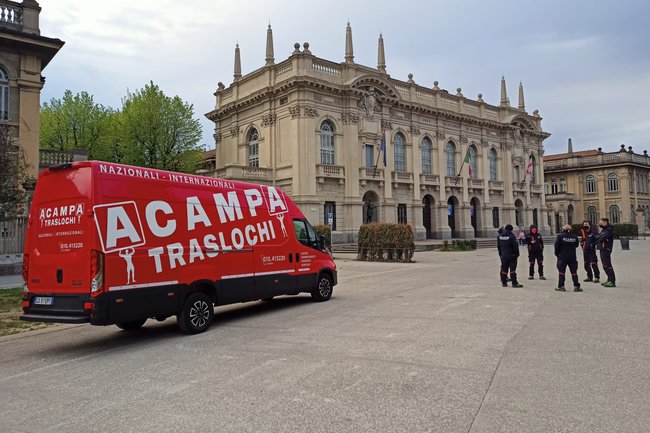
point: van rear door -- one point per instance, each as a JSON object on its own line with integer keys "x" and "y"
{"x": 58, "y": 248}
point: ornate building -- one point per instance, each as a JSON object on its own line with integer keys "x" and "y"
{"x": 315, "y": 128}
{"x": 592, "y": 184}
{"x": 24, "y": 53}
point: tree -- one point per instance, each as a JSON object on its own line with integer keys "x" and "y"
{"x": 77, "y": 122}
{"x": 13, "y": 176}
{"x": 159, "y": 131}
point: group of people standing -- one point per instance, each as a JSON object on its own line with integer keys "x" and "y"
{"x": 565, "y": 247}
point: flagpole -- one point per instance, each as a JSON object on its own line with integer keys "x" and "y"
{"x": 460, "y": 170}
{"x": 383, "y": 137}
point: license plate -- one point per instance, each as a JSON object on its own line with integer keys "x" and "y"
{"x": 43, "y": 300}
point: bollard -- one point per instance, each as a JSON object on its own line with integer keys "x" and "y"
{"x": 625, "y": 244}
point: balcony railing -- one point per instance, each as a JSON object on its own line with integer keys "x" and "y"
{"x": 496, "y": 184}
{"x": 429, "y": 179}
{"x": 11, "y": 14}
{"x": 369, "y": 173}
{"x": 476, "y": 183}
{"x": 324, "y": 171}
{"x": 596, "y": 160}
{"x": 402, "y": 177}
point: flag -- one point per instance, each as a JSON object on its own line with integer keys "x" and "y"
{"x": 468, "y": 162}
{"x": 382, "y": 147}
{"x": 529, "y": 169}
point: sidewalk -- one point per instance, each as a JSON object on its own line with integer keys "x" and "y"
{"x": 8, "y": 281}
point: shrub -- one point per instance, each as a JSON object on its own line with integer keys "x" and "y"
{"x": 386, "y": 242}
{"x": 324, "y": 230}
{"x": 459, "y": 245}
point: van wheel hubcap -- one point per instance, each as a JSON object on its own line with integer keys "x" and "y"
{"x": 324, "y": 288}
{"x": 199, "y": 314}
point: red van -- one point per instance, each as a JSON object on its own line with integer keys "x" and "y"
{"x": 114, "y": 244}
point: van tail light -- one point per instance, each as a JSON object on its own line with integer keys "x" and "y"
{"x": 96, "y": 273}
{"x": 25, "y": 273}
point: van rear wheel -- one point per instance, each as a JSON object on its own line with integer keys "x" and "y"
{"x": 197, "y": 314}
{"x": 132, "y": 325}
{"x": 324, "y": 289}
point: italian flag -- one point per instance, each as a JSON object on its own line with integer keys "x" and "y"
{"x": 467, "y": 161}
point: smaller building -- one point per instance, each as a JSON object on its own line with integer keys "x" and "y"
{"x": 591, "y": 184}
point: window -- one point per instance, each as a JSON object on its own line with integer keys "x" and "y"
{"x": 4, "y": 94}
{"x": 472, "y": 161}
{"x": 327, "y": 143}
{"x": 553, "y": 187}
{"x": 535, "y": 219}
{"x": 400, "y": 152}
{"x": 426, "y": 155}
{"x": 592, "y": 214}
{"x": 562, "y": 185}
{"x": 492, "y": 157}
{"x": 370, "y": 156}
{"x": 590, "y": 183}
{"x": 305, "y": 233}
{"x": 401, "y": 214}
{"x": 450, "y": 156}
{"x": 612, "y": 182}
{"x": 547, "y": 188}
{"x": 517, "y": 174}
{"x": 533, "y": 169}
{"x": 495, "y": 217}
{"x": 253, "y": 149}
{"x": 330, "y": 214}
{"x": 614, "y": 215}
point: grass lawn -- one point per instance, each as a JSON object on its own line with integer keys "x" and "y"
{"x": 10, "y": 309}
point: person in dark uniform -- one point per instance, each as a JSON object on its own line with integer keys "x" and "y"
{"x": 605, "y": 245}
{"x": 565, "y": 251}
{"x": 589, "y": 241}
{"x": 535, "y": 245}
{"x": 509, "y": 252}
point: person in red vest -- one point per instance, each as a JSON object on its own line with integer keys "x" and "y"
{"x": 589, "y": 242}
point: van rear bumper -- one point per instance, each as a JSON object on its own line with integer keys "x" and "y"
{"x": 54, "y": 319}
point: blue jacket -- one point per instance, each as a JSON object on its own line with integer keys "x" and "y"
{"x": 606, "y": 238}
{"x": 507, "y": 245}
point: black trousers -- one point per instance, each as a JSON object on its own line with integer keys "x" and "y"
{"x": 573, "y": 268}
{"x": 606, "y": 259}
{"x": 591, "y": 265}
{"x": 539, "y": 258}
{"x": 509, "y": 264}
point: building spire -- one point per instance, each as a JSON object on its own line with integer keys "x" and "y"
{"x": 505, "y": 102}
{"x": 237, "y": 74}
{"x": 522, "y": 104}
{"x": 570, "y": 147}
{"x": 269, "y": 47}
{"x": 381, "y": 55}
{"x": 349, "y": 51}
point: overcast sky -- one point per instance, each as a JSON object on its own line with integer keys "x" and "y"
{"x": 585, "y": 65}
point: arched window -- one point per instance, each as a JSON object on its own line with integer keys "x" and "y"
{"x": 612, "y": 182}
{"x": 450, "y": 156}
{"x": 532, "y": 169}
{"x": 492, "y": 157}
{"x": 4, "y": 94}
{"x": 426, "y": 155}
{"x": 592, "y": 214}
{"x": 472, "y": 162}
{"x": 400, "y": 152}
{"x": 614, "y": 215}
{"x": 590, "y": 183}
{"x": 253, "y": 148}
{"x": 327, "y": 155}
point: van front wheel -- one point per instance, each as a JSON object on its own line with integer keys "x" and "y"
{"x": 131, "y": 326}
{"x": 324, "y": 289}
{"x": 197, "y": 314}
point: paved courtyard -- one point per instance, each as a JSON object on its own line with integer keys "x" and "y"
{"x": 434, "y": 346}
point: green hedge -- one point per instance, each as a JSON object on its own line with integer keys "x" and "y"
{"x": 620, "y": 230}
{"x": 459, "y": 245}
{"x": 386, "y": 242}
{"x": 324, "y": 230}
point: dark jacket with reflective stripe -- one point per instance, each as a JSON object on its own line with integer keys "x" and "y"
{"x": 606, "y": 238}
{"x": 565, "y": 246}
{"x": 507, "y": 245}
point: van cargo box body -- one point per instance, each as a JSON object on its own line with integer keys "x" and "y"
{"x": 114, "y": 244}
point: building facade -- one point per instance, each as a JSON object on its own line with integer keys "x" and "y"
{"x": 24, "y": 53}
{"x": 350, "y": 144}
{"x": 591, "y": 184}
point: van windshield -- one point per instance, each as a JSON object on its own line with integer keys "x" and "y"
{"x": 305, "y": 233}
